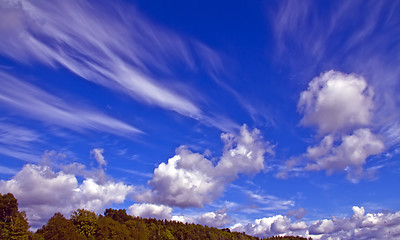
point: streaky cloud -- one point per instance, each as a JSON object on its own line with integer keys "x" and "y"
{"x": 113, "y": 46}
{"x": 33, "y": 102}
{"x": 18, "y": 142}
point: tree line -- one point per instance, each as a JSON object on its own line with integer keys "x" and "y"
{"x": 113, "y": 224}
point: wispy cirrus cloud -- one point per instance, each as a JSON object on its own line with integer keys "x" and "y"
{"x": 33, "y": 102}
{"x": 262, "y": 202}
{"x": 113, "y": 46}
{"x": 17, "y": 142}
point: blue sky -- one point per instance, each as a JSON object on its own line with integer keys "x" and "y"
{"x": 274, "y": 118}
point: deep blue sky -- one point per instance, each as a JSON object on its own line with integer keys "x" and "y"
{"x": 268, "y": 117}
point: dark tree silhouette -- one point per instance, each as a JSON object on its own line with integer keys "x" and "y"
{"x": 13, "y": 223}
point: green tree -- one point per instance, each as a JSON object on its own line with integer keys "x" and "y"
{"x": 8, "y": 207}
{"x": 85, "y": 223}
{"x": 107, "y": 228}
{"x": 59, "y": 228}
{"x": 138, "y": 229}
{"x": 119, "y": 215}
{"x": 13, "y": 224}
{"x": 167, "y": 235}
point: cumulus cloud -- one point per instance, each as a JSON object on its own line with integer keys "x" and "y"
{"x": 341, "y": 107}
{"x": 190, "y": 179}
{"x": 270, "y": 226}
{"x": 41, "y": 192}
{"x": 243, "y": 153}
{"x": 147, "y": 210}
{"x": 335, "y": 101}
{"x": 182, "y": 218}
{"x": 350, "y": 155}
{"x": 358, "y": 226}
{"x": 216, "y": 219}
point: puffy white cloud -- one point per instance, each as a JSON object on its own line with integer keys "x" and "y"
{"x": 298, "y": 226}
{"x": 98, "y": 155}
{"x": 190, "y": 179}
{"x": 214, "y": 219}
{"x": 41, "y": 192}
{"x": 335, "y": 101}
{"x": 358, "y": 226}
{"x": 322, "y": 226}
{"x": 269, "y": 226}
{"x": 243, "y": 153}
{"x": 350, "y": 155}
{"x": 181, "y": 218}
{"x": 148, "y": 210}
{"x": 341, "y": 107}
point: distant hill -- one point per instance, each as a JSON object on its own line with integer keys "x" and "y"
{"x": 114, "y": 224}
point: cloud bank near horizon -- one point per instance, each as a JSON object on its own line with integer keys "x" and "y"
{"x": 360, "y": 225}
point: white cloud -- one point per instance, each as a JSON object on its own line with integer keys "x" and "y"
{"x": 147, "y": 210}
{"x": 98, "y": 155}
{"x": 31, "y": 101}
{"x": 218, "y": 219}
{"x": 270, "y": 226}
{"x": 214, "y": 219}
{"x": 190, "y": 179}
{"x": 341, "y": 106}
{"x": 335, "y": 101}
{"x": 244, "y": 153}
{"x": 358, "y": 226}
{"x": 182, "y": 218}
{"x": 350, "y": 155}
{"x": 41, "y": 192}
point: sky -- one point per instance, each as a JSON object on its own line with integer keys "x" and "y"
{"x": 268, "y": 117}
